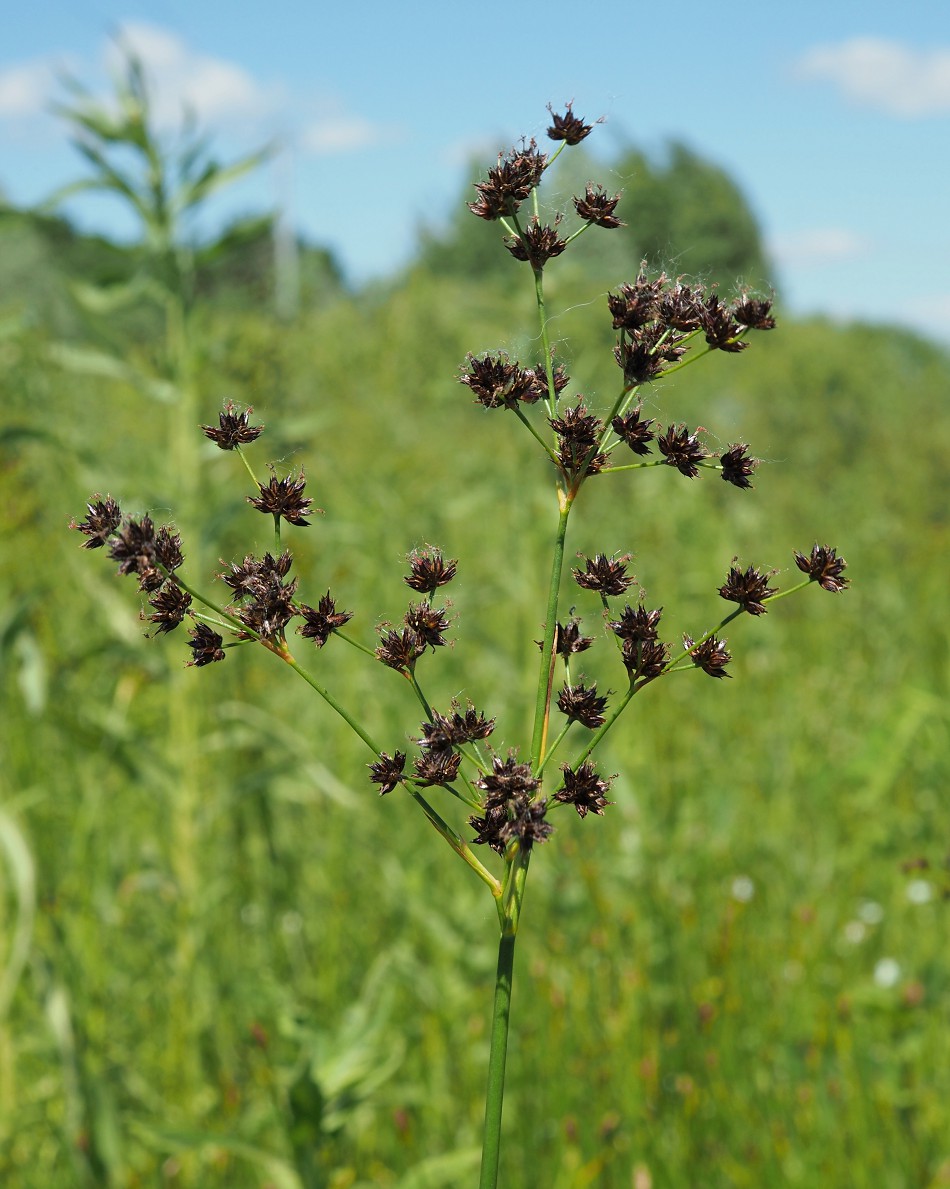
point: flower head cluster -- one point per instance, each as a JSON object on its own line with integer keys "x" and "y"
{"x": 644, "y": 655}
{"x": 584, "y": 789}
{"x": 538, "y": 244}
{"x": 429, "y": 570}
{"x": 824, "y": 567}
{"x": 657, "y": 316}
{"x": 283, "y": 499}
{"x": 578, "y": 434}
{"x": 582, "y": 703}
{"x": 496, "y": 382}
{"x": 606, "y": 575}
{"x": 634, "y": 431}
{"x": 569, "y": 128}
{"x": 681, "y": 448}
{"x": 423, "y": 627}
{"x": 233, "y": 429}
{"x": 510, "y": 809}
{"x": 262, "y": 594}
{"x": 598, "y": 207}
{"x": 509, "y": 182}
{"x": 322, "y": 622}
{"x": 711, "y": 655}
{"x": 749, "y": 588}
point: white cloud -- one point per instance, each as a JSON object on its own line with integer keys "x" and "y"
{"x": 885, "y": 75}
{"x": 341, "y": 134}
{"x": 25, "y": 90}
{"x": 928, "y": 313}
{"x": 817, "y": 246}
{"x": 182, "y": 78}
{"x": 332, "y": 129}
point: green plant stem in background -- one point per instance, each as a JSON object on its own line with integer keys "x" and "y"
{"x": 495, "y": 1093}
{"x": 548, "y": 655}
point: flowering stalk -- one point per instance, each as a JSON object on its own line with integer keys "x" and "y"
{"x": 658, "y": 320}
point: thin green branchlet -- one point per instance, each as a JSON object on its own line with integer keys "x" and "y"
{"x": 663, "y": 325}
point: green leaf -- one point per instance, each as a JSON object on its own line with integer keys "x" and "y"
{"x": 20, "y": 870}
{"x": 87, "y": 361}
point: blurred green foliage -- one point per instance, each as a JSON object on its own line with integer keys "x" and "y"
{"x": 738, "y": 977}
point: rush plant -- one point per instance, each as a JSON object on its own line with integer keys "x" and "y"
{"x": 513, "y": 792}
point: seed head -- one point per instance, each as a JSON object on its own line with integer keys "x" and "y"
{"x": 169, "y": 607}
{"x": 400, "y": 650}
{"x": 737, "y": 465}
{"x": 606, "y": 575}
{"x": 597, "y": 207}
{"x": 584, "y": 789}
{"x": 284, "y": 498}
{"x": 568, "y": 127}
{"x": 711, "y": 656}
{"x": 720, "y": 326}
{"x": 635, "y": 431}
{"x": 824, "y": 567}
{"x": 429, "y": 570}
{"x": 638, "y": 624}
{"x": 387, "y": 771}
{"x": 682, "y": 449}
{"x": 103, "y": 517}
{"x": 320, "y": 624}
{"x": 539, "y": 243}
{"x": 749, "y": 589}
{"x": 509, "y": 182}
{"x": 754, "y": 314}
{"x": 206, "y": 646}
{"x": 581, "y": 703}
{"x": 233, "y": 428}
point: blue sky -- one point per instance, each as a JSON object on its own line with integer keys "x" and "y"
{"x": 834, "y": 117}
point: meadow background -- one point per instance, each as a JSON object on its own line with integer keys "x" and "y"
{"x": 226, "y": 962}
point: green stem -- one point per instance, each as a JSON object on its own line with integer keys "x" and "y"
{"x": 501, "y": 1012}
{"x": 546, "y": 668}
{"x": 602, "y": 731}
{"x": 458, "y": 844}
{"x": 494, "y": 1097}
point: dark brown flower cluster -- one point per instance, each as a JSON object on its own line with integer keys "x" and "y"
{"x": 388, "y": 771}
{"x": 632, "y": 429}
{"x": 141, "y": 549}
{"x": 496, "y": 382}
{"x": 606, "y": 575}
{"x": 824, "y": 567}
{"x": 584, "y": 789}
{"x": 283, "y": 499}
{"x": 509, "y": 183}
{"x": 206, "y": 646}
{"x": 510, "y": 812}
{"x": 263, "y": 598}
{"x": 737, "y": 465}
{"x": 711, "y": 656}
{"x": 720, "y": 326}
{"x": 682, "y": 449}
{"x": 656, "y": 317}
{"x": 423, "y": 627}
{"x": 152, "y": 554}
{"x": 233, "y": 429}
{"x": 749, "y": 588}
{"x": 538, "y": 244}
{"x": 582, "y": 703}
{"x": 644, "y": 655}
{"x": 103, "y": 517}
{"x": 320, "y": 624}
{"x": 568, "y": 639}
{"x": 441, "y": 739}
{"x": 429, "y": 570}
{"x": 568, "y": 127}
{"x": 578, "y": 433}
{"x": 597, "y": 207}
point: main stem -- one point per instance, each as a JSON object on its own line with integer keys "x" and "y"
{"x": 491, "y": 1149}
{"x": 546, "y": 668}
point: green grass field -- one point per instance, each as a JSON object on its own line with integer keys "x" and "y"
{"x": 227, "y": 962}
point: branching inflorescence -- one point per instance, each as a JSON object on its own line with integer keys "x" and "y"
{"x": 663, "y": 324}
